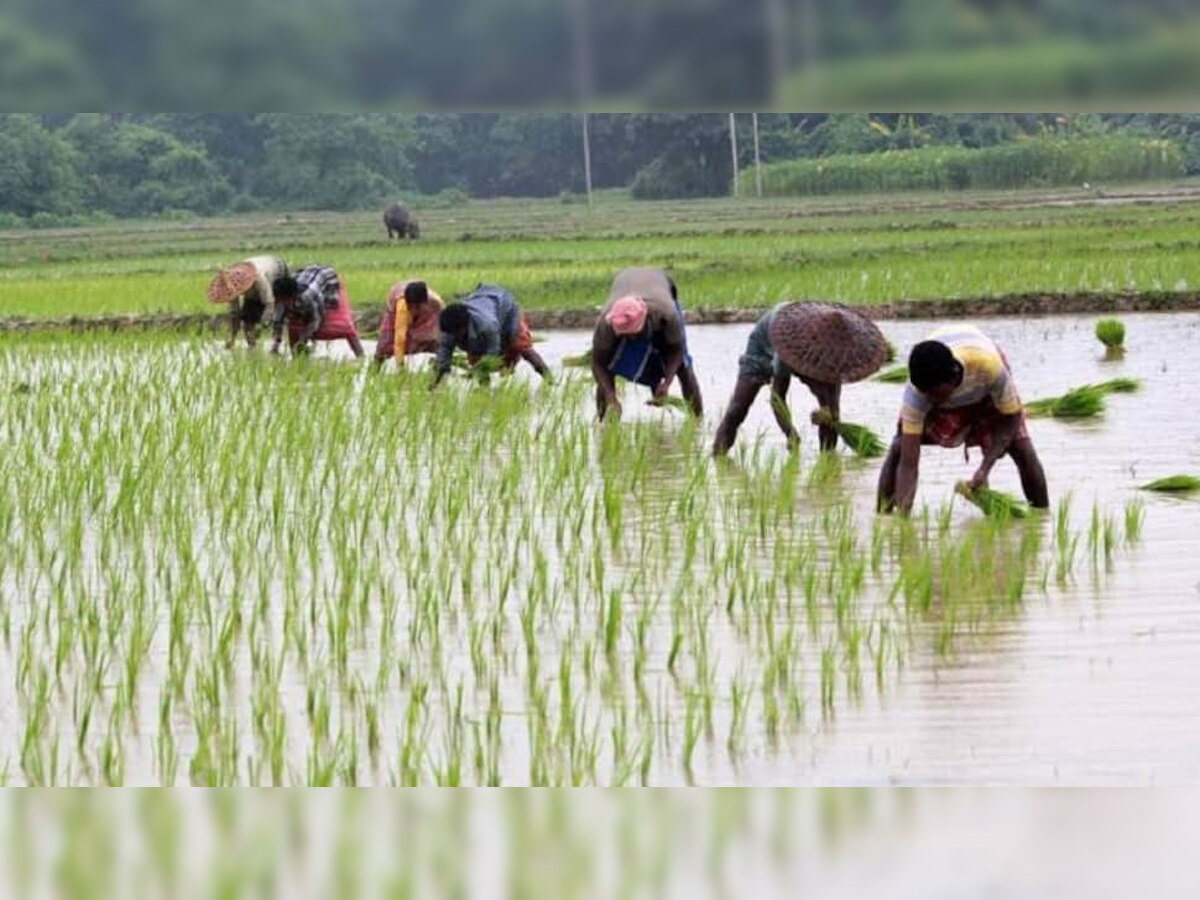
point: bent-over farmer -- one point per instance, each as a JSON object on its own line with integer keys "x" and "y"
{"x": 315, "y": 307}
{"x": 410, "y": 323}
{"x": 487, "y": 322}
{"x": 824, "y": 345}
{"x": 641, "y": 337}
{"x": 248, "y": 289}
{"x": 960, "y": 393}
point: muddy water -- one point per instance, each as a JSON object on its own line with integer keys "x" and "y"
{"x": 1097, "y": 683}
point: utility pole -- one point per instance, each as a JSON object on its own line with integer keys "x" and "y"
{"x": 587, "y": 160}
{"x": 733, "y": 151}
{"x": 583, "y": 83}
{"x": 757, "y": 157}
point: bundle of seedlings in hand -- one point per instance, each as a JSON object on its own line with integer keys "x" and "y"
{"x": 894, "y": 375}
{"x": 1111, "y": 333}
{"x": 994, "y": 504}
{"x": 1080, "y": 403}
{"x": 862, "y": 440}
{"x": 671, "y": 403}
{"x": 1174, "y": 484}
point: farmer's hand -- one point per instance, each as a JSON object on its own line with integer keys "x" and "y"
{"x": 978, "y": 480}
{"x": 660, "y": 392}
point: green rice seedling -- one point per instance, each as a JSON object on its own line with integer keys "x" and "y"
{"x": 1111, "y": 333}
{"x": 1135, "y": 517}
{"x": 1080, "y": 403}
{"x": 894, "y": 375}
{"x": 1118, "y": 385}
{"x": 994, "y": 504}
{"x": 1173, "y": 484}
{"x": 578, "y": 360}
{"x": 862, "y": 440}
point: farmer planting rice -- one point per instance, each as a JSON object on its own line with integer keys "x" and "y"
{"x": 487, "y": 323}
{"x": 248, "y": 289}
{"x": 960, "y": 392}
{"x": 821, "y": 344}
{"x": 410, "y": 323}
{"x": 641, "y": 336}
{"x": 315, "y": 306}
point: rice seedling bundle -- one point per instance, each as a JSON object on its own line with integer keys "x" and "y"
{"x": 894, "y": 375}
{"x": 578, "y": 361}
{"x": 862, "y": 440}
{"x": 1174, "y": 484}
{"x": 994, "y": 504}
{"x": 1111, "y": 333}
{"x": 1080, "y": 403}
{"x": 1118, "y": 386}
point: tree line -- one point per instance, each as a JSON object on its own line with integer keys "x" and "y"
{"x": 61, "y": 168}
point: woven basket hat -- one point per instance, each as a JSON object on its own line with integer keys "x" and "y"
{"x": 828, "y": 342}
{"x": 231, "y": 283}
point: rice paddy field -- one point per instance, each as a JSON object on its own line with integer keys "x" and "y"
{"x": 723, "y": 253}
{"x": 230, "y": 569}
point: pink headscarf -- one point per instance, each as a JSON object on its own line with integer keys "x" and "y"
{"x": 627, "y": 316}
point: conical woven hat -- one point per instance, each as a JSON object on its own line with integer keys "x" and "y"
{"x": 231, "y": 283}
{"x": 828, "y": 342}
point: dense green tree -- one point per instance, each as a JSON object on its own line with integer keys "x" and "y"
{"x": 39, "y": 171}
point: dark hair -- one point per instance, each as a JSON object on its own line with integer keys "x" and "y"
{"x": 287, "y": 286}
{"x": 674, "y": 290}
{"x": 416, "y": 292}
{"x": 454, "y": 318}
{"x": 931, "y": 364}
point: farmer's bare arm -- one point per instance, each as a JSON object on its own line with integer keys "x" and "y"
{"x": 670, "y": 370}
{"x": 1003, "y": 434}
{"x": 603, "y": 350}
{"x": 534, "y": 358}
{"x": 780, "y": 382}
{"x": 906, "y": 472}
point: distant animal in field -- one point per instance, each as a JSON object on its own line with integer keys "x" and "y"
{"x": 400, "y": 223}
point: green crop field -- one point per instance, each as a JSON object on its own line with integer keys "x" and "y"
{"x": 203, "y": 586}
{"x": 723, "y": 253}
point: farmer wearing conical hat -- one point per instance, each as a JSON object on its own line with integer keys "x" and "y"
{"x": 824, "y": 345}
{"x": 410, "y": 323}
{"x": 314, "y": 306}
{"x": 960, "y": 393}
{"x": 641, "y": 336}
{"x": 247, "y": 288}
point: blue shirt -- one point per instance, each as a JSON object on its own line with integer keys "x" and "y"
{"x": 493, "y": 322}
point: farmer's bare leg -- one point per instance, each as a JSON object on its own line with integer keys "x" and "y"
{"x": 356, "y": 346}
{"x": 690, "y": 387}
{"x": 744, "y": 393}
{"x": 251, "y": 329}
{"x": 1033, "y": 477}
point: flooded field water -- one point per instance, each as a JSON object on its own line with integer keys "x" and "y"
{"x": 1091, "y": 677}
{"x": 1093, "y": 684}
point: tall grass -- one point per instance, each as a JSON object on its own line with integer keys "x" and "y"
{"x": 1042, "y": 161}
